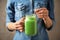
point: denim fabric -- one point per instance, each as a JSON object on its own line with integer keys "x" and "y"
{"x": 16, "y": 9}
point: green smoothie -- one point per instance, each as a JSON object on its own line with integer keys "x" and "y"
{"x": 30, "y": 25}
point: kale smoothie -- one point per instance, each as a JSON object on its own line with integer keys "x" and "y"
{"x": 30, "y": 25}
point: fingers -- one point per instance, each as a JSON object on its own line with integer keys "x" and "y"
{"x": 41, "y": 12}
{"x": 37, "y": 10}
{"x": 17, "y": 26}
{"x": 40, "y": 16}
{"x": 20, "y": 28}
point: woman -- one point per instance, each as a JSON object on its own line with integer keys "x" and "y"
{"x": 17, "y": 9}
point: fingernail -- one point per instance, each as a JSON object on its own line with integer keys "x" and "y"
{"x": 21, "y": 30}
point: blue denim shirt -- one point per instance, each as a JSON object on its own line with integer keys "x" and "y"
{"x": 16, "y": 9}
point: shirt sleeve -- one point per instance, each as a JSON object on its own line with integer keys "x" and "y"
{"x": 50, "y": 7}
{"x": 10, "y": 12}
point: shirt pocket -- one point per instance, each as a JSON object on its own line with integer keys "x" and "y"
{"x": 20, "y": 6}
{"x": 21, "y": 9}
{"x": 40, "y": 3}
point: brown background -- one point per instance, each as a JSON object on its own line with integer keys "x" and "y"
{"x": 54, "y": 34}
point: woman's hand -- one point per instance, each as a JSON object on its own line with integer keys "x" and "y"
{"x": 41, "y": 12}
{"x": 18, "y": 25}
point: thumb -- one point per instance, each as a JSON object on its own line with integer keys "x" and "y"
{"x": 22, "y": 19}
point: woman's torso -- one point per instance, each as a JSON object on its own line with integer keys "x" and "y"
{"x": 24, "y": 7}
